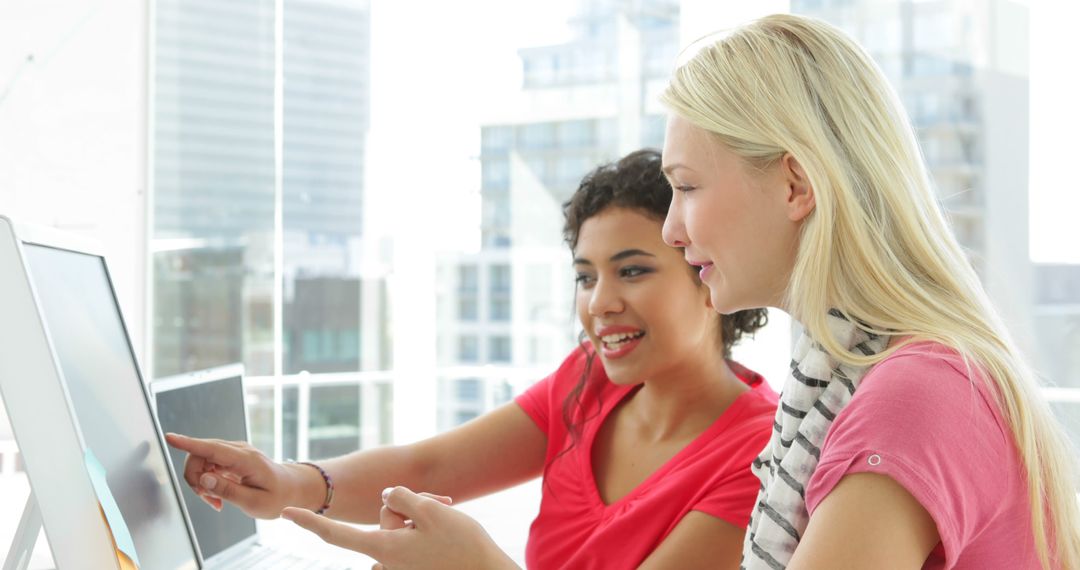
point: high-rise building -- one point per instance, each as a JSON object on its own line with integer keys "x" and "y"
{"x": 260, "y": 122}
{"x": 1057, "y": 319}
{"x": 506, "y": 313}
{"x": 960, "y": 69}
{"x": 213, "y": 171}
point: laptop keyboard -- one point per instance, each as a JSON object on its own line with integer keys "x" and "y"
{"x": 261, "y": 557}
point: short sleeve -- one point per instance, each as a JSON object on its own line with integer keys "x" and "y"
{"x": 919, "y": 419}
{"x": 536, "y": 401}
{"x": 732, "y": 494}
{"x": 542, "y": 401}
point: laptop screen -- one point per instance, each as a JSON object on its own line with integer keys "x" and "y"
{"x": 109, "y": 401}
{"x": 208, "y": 407}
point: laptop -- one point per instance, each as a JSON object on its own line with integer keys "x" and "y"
{"x": 210, "y": 404}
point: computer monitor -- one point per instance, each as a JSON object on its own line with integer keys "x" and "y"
{"x": 207, "y": 404}
{"x": 70, "y": 383}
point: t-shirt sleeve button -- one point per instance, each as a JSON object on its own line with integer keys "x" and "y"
{"x": 874, "y": 459}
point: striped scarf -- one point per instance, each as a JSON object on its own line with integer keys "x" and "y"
{"x": 815, "y": 391}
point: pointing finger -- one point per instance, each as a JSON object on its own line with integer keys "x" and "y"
{"x": 372, "y": 543}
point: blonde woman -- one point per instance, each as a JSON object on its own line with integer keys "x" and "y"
{"x": 911, "y": 433}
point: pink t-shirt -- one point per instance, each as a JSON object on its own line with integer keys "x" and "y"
{"x": 920, "y": 419}
{"x": 575, "y": 529}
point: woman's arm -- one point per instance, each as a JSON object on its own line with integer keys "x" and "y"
{"x": 439, "y": 536}
{"x": 698, "y": 541}
{"x": 867, "y": 521}
{"x": 492, "y": 452}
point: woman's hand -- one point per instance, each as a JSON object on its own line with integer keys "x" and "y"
{"x": 236, "y": 472}
{"x": 418, "y": 531}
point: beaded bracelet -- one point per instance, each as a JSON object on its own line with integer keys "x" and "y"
{"x": 329, "y": 485}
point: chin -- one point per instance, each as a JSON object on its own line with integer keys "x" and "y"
{"x": 722, "y": 303}
{"x": 728, "y": 305}
{"x": 621, "y": 375}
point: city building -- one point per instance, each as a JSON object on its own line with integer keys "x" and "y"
{"x": 966, "y": 96}
{"x": 506, "y": 313}
{"x": 1056, "y": 314}
{"x": 259, "y": 129}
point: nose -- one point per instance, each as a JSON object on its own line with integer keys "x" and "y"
{"x": 674, "y": 230}
{"x": 606, "y": 298}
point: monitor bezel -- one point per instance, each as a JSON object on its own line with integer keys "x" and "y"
{"x": 54, "y": 458}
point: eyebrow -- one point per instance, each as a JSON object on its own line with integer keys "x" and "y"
{"x": 673, "y": 167}
{"x": 617, "y": 257}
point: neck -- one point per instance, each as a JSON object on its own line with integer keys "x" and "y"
{"x": 685, "y": 397}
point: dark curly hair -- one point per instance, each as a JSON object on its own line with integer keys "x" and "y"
{"x": 637, "y": 183}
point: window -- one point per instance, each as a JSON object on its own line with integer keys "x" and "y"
{"x": 469, "y": 390}
{"x": 468, "y": 308}
{"x": 290, "y": 422}
{"x": 468, "y": 348}
{"x": 462, "y": 417}
{"x": 500, "y": 349}
{"x": 500, "y": 278}
{"x": 260, "y": 404}
{"x": 335, "y": 421}
{"x": 576, "y": 134}
{"x": 495, "y": 173}
{"x": 500, "y": 307}
{"x": 496, "y": 139}
{"x": 260, "y": 252}
{"x": 537, "y": 136}
{"x": 468, "y": 279}
{"x": 652, "y": 131}
{"x": 569, "y": 171}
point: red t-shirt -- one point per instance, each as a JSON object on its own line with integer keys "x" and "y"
{"x": 575, "y": 529}
{"x": 921, "y": 419}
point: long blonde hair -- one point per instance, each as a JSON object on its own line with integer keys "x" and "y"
{"x": 877, "y": 245}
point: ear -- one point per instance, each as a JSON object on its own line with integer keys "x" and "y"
{"x": 800, "y": 193}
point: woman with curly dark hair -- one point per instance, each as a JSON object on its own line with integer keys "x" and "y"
{"x": 644, "y": 435}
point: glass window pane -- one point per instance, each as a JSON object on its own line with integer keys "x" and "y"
{"x": 325, "y": 124}
{"x": 290, "y": 422}
{"x": 500, "y": 349}
{"x": 212, "y": 238}
{"x": 468, "y": 279}
{"x": 468, "y": 349}
{"x": 385, "y": 394}
{"x": 462, "y": 417}
{"x": 260, "y": 412}
{"x": 469, "y": 389}
{"x": 334, "y": 428}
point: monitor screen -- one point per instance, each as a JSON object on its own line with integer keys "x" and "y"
{"x": 211, "y": 408}
{"x": 110, "y": 402}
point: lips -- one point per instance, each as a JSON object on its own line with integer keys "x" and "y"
{"x": 704, "y": 268}
{"x": 618, "y": 341}
{"x": 705, "y": 271}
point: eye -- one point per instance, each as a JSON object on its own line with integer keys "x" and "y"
{"x": 634, "y": 271}
{"x": 584, "y": 280}
{"x": 684, "y": 189}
